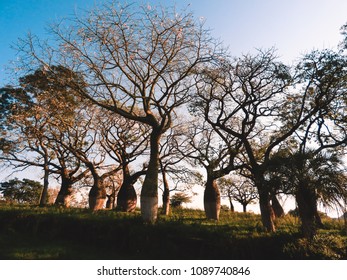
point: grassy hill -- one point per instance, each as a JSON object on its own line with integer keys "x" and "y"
{"x": 57, "y": 233}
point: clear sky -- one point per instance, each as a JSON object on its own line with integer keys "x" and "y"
{"x": 292, "y": 26}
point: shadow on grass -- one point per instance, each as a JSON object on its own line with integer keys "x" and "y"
{"x": 81, "y": 234}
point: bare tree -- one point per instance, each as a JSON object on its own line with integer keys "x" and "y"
{"x": 177, "y": 175}
{"x": 254, "y": 100}
{"x": 126, "y": 142}
{"x": 133, "y": 57}
{"x": 238, "y": 189}
{"x": 206, "y": 148}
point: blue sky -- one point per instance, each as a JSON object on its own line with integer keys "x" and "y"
{"x": 292, "y": 26}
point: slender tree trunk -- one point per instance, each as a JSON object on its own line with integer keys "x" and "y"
{"x": 232, "y": 208}
{"x": 149, "y": 192}
{"x": 44, "y": 194}
{"x": 97, "y": 195}
{"x": 65, "y": 192}
{"x": 276, "y": 206}
{"x": 212, "y": 199}
{"x": 244, "y": 207}
{"x": 166, "y": 194}
{"x": 111, "y": 199}
{"x": 267, "y": 214}
{"x": 307, "y": 206}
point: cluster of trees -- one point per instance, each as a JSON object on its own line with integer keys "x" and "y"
{"x": 21, "y": 191}
{"x": 147, "y": 92}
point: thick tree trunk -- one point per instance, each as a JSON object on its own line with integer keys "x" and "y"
{"x": 149, "y": 192}
{"x": 44, "y": 194}
{"x": 65, "y": 192}
{"x": 267, "y": 214}
{"x": 127, "y": 197}
{"x": 97, "y": 195}
{"x": 307, "y": 206}
{"x": 212, "y": 200}
{"x": 166, "y": 195}
{"x": 276, "y": 206}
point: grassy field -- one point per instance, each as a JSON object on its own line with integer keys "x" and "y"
{"x": 57, "y": 233}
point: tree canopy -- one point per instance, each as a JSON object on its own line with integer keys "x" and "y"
{"x": 24, "y": 191}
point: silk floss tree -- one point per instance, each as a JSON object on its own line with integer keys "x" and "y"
{"x": 139, "y": 63}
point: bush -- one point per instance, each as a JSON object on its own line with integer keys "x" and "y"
{"x": 179, "y": 198}
{"x": 322, "y": 247}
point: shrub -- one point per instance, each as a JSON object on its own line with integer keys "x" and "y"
{"x": 322, "y": 246}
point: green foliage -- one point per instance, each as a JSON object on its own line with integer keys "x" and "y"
{"x": 10, "y": 97}
{"x": 178, "y": 198}
{"x": 21, "y": 191}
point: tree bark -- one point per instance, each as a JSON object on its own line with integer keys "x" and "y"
{"x": 307, "y": 206}
{"x": 97, "y": 195}
{"x": 212, "y": 200}
{"x": 267, "y": 214}
{"x": 149, "y": 192}
{"x": 166, "y": 195}
{"x": 127, "y": 197}
{"x": 110, "y": 201}
{"x": 244, "y": 207}
{"x": 276, "y": 206}
{"x": 44, "y": 194}
{"x": 232, "y": 208}
{"x": 65, "y": 192}
{"x": 111, "y": 198}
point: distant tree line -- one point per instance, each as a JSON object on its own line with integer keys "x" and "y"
{"x": 129, "y": 94}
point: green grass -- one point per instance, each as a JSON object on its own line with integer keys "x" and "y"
{"x": 58, "y": 233}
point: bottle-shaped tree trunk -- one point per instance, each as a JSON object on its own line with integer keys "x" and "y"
{"x": 127, "y": 197}
{"x": 212, "y": 199}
